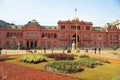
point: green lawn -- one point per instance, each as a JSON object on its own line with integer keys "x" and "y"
{"x": 100, "y": 72}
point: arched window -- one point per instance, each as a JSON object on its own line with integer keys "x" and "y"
{"x": 55, "y": 35}
{"x": 43, "y": 35}
{"x": 55, "y": 44}
{"x": 49, "y": 35}
{"x": 110, "y": 37}
{"x": 68, "y": 36}
{"x": 8, "y": 34}
{"x": 21, "y": 34}
{"x": 63, "y": 35}
{"x": 49, "y": 44}
{"x": 62, "y": 44}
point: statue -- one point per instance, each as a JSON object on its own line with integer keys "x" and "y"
{"x": 73, "y": 45}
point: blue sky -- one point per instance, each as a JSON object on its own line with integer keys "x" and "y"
{"x": 48, "y": 12}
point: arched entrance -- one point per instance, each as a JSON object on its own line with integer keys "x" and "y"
{"x": 31, "y": 44}
{"x": 74, "y": 41}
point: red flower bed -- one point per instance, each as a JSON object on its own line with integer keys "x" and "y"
{"x": 14, "y": 72}
{"x": 61, "y": 56}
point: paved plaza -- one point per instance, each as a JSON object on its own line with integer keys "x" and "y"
{"x": 102, "y": 53}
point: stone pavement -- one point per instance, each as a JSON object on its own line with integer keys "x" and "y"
{"x": 10, "y": 71}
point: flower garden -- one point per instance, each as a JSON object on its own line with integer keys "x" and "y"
{"x": 82, "y": 66}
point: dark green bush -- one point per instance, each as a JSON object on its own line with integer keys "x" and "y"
{"x": 68, "y": 66}
{"x": 86, "y": 62}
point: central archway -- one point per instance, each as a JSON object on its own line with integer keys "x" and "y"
{"x": 74, "y": 40}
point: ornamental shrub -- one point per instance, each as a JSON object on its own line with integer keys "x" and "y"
{"x": 33, "y": 58}
{"x": 61, "y": 56}
{"x": 68, "y": 66}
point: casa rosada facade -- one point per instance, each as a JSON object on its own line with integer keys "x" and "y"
{"x": 33, "y": 35}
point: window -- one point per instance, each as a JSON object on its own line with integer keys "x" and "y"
{"x": 73, "y": 27}
{"x": 78, "y": 27}
{"x": 63, "y": 35}
{"x": 105, "y": 44}
{"x": 49, "y": 44}
{"x": 94, "y": 44}
{"x": 88, "y": 44}
{"x": 55, "y": 44}
{"x": 62, "y": 44}
{"x": 110, "y": 37}
{"x": 31, "y": 35}
{"x": 68, "y": 44}
{"x": 62, "y": 27}
{"x": 49, "y": 35}
{"x": 87, "y": 27}
{"x": 7, "y": 43}
{"x": 88, "y": 36}
{"x": 43, "y": 43}
{"x": 68, "y": 36}
{"x": 43, "y": 35}
{"x": 99, "y": 44}
{"x": 55, "y": 35}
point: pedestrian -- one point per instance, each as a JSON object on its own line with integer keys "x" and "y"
{"x": 44, "y": 50}
{"x": 95, "y": 50}
{"x": 99, "y": 50}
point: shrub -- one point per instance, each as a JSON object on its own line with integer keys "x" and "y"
{"x": 86, "y": 62}
{"x": 101, "y": 60}
{"x": 91, "y": 62}
{"x": 115, "y": 47}
{"x": 33, "y": 58}
{"x": 68, "y": 66}
{"x": 60, "y": 56}
{"x": 84, "y": 56}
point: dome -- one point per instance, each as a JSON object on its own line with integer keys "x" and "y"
{"x": 33, "y": 22}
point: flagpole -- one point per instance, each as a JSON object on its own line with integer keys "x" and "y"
{"x": 76, "y": 30}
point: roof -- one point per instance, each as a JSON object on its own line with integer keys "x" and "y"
{"x": 4, "y": 24}
{"x": 49, "y": 27}
{"x": 98, "y": 29}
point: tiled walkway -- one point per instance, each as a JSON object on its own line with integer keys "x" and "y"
{"x": 14, "y": 72}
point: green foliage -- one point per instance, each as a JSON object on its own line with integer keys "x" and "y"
{"x": 68, "y": 66}
{"x": 84, "y": 56}
{"x": 101, "y": 60}
{"x": 115, "y": 47}
{"x": 86, "y": 62}
{"x": 33, "y": 58}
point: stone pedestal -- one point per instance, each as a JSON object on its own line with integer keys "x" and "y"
{"x": 73, "y": 46}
